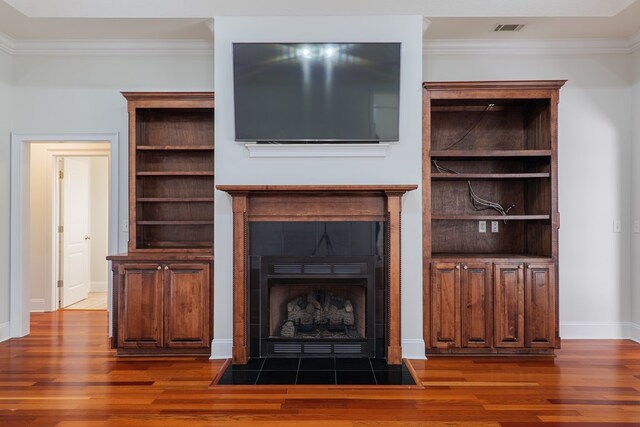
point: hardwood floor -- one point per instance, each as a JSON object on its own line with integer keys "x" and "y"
{"x": 64, "y": 374}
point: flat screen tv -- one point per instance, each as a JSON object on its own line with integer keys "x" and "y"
{"x": 316, "y": 92}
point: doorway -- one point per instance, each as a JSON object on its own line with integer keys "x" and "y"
{"x": 21, "y": 232}
{"x": 68, "y": 216}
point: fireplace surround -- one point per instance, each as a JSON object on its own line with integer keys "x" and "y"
{"x": 313, "y": 203}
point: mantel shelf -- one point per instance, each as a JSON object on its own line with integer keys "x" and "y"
{"x": 394, "y": 188}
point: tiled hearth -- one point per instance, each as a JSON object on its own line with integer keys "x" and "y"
{"x": 319, "y": 371}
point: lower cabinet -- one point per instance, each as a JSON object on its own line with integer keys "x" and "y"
{"x": 461, "y": 305}
{"x": 162, "y": 307}
{"x": 485, "y": 307}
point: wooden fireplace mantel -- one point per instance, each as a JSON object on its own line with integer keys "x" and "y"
{"x": 253, "y": 203}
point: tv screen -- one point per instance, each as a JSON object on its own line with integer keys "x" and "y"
{"x": 308, "y": 92}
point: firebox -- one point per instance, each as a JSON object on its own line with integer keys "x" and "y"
{"x": 317, "y": 306}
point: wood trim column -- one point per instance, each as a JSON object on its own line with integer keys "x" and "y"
{"x": 240, "y": 353}
{"x": 394, "y": 345}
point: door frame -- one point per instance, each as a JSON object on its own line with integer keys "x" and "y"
{"x": 19, "y": 287}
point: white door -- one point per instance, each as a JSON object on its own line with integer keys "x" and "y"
{"x": 75, "y": 235}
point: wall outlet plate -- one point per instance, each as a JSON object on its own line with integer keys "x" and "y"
{"x": 494, "y": 226}
{"x": 482, "y": 226}
{"x": 125, "y": 225}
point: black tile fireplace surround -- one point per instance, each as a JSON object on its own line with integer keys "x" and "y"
{"x": 317, "y": 290}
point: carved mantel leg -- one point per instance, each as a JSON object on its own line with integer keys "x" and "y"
{"x": 240, "y": 353}
{"x": 394, "y": 349}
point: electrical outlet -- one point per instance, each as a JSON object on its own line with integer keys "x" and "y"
{"x": 617, "y": 226}
{"x": 636, "y": 226}
{"x": 494, "y": 226}
{"x": 125, "y": 225}
{"x": 482, "y": 226}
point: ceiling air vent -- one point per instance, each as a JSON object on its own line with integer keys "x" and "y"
{"x": 508, "y": 27}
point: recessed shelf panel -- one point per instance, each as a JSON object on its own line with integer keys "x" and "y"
{"x": 444, "y": 176}
{"x": 175, "y": 199}
{"x": 490, "y": 153}
{"x": 489, "y": 217}
{"x": 175, "y": 147}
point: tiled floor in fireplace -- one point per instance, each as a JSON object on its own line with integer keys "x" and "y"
{"x": 321, "y": 371}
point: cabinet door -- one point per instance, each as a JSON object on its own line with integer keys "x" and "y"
{"x": 540, "y": 306}
{"x": 475, "y": 301}
{"x": 508, "y": 305}
{"x": 186, "y": 304}
{"x": 140, "y": 306}
{"x": 445, "y": 300}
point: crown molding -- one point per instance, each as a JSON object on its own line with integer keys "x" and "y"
{"x": 7, "y": 44}
{"x": 431, "y": 46}
{"x": 112, "y": 47}
{"x": 531, "y": 46}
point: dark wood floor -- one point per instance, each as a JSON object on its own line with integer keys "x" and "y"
{"x": 64, "y": 374}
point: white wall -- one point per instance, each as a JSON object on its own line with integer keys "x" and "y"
{"x": 6, "y": 113}
{"x": 99, "y": 222}
{"x": 81, "y": 94}
{"x": 594, "y": 176}
{"x": 635, "y": 237}
{"x": 402, "y": 166}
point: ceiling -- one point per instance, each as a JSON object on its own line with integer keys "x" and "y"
{"x": 46, "y": 20}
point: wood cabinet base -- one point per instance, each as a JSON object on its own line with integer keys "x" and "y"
{"x": 162, "y": 304}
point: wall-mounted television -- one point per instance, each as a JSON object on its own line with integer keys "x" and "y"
{"x": 316, "y": 92}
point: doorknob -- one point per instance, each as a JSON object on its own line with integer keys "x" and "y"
{"x": 87, "y": 237}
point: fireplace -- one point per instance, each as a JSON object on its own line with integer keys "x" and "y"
{"x": 332, "y": 204}
{"x": 317, "y": 307}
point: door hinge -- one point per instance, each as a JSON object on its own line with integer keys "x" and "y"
{"x": 61, "y": 229}
{"x": 59, "y": 283}
{"x": 61, "y": 174}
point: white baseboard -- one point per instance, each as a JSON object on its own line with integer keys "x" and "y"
{"x": 595, "y": 330}
{"x": 98, "y": 286}
{"x": 634, "y": 330}
{"x": 37, "y": 305}
{"x": 413, "y": 349}
{"x": 5, "y": 331}
{"x": 221, "y": 348}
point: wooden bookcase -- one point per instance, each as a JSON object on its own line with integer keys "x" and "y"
{"x": 162, "y": 290}
{"x": 171, "y": 171}
{"x": 491, "y": 291}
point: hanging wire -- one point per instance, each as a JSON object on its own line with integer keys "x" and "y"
{"x": 471, "y": 128}
{"x": 477, "y": 202}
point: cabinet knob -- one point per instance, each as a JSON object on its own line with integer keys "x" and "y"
{"x": 465, "y": 267}
{"x": 159, "y": 268}
{"x": 166, "y": 267}
{"x": 458, "y": 267}
{"x": 520, "y": 266}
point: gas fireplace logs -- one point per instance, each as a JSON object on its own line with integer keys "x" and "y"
{"x": 319, "y": 314}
